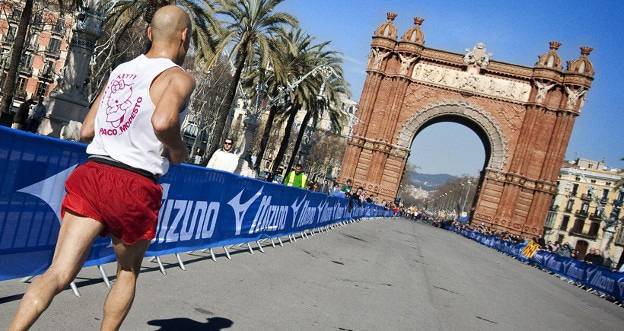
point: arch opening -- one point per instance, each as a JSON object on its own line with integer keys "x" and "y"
{"x": 459, "y": 196}
{"x": 464, "y": 125}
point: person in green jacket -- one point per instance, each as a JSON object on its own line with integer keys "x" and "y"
{"x": 296, "y": 178}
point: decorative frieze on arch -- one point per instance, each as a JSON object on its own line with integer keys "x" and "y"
{"x": 489, "y": 126}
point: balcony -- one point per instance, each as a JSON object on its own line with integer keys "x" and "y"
{"x": 595, "y": 216}
{"x": 617, "y": 203}
{"x": 32, "y": 46}
{"x": 581, "y": 213}
{"x": 586, "y": 197}
{"x": 25, "y": 70}
{"x": 53, "y": 53}
{"x": 20, "y": 95}
{"x": 580, "y": 234}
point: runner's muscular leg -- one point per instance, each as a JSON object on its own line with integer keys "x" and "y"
{"x": 120, "y": 297}
{"x": 74, "y": 241}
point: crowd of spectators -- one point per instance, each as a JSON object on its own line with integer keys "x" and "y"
{"x": 226, "y": 159}
{"x": 593, "y": 256}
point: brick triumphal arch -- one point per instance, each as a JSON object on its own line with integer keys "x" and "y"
{"x": 523, "y": 115}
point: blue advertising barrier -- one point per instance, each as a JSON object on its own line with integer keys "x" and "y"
{"x": 596, "y": 277}
{"x": 201, "y": 208}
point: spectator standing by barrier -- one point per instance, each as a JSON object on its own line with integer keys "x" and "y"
{"x": 565, "y": 250}
{"x": 33, "y": 121}
{"x": 325, "y": 187}
{"x": 347, "y": 187}
{"x": 356, "y": 198}
{"x": 116, "y": 191}
{"x": 19, "y": 120}
{"x": 337, "y": 192}
{"x": 296, "y": 177}
{"x": 224, "y": 159}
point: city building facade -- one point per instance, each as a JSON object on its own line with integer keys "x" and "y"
{"x": 45, "y": 49}
{"x": 523, "y": 115}
{"x": 587, "y": 198}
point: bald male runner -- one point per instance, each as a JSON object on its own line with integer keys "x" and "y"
{"x": 134, "y": 129}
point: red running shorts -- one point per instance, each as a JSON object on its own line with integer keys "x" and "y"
{"x": 124, "y": 201}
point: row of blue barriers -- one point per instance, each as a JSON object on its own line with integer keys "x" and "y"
{"x": 596, "y": 277}
{"x": 201, "y": 208}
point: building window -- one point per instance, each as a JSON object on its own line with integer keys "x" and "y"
{"x": 26, "y": 60}
{"x": 54, "y": 46}
{"x": 564, "y": 223}
{"x": 560, "y": 238}
{"x": 33, "y": 41}
{"x": 585, "y": 207}
{"x": 17, "y": 14}
{"x": 608, "y": 183}
{"x": 575, "y": 189}
{"x": 42, "y": 87}
{"x": 593, "y": 181}
{"x": 48, "y": 69}
{"x": 569, "y": 205}
{"x": 21, "y": 84}
{"x": 578, "y": 225}
{"x": 10, "y": 36}
{"x": 58, "y": 27}
{"x": 593, "y": 229}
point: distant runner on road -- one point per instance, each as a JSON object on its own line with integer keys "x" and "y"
{"x": 134, "y": 129}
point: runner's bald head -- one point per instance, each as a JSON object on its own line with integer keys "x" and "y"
{"x": 168, "y": 24}
{"x": 170, "y": 33}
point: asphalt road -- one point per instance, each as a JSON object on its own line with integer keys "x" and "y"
{"x": 374, "y": 275}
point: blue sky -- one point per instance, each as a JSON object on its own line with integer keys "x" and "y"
{"x": 514, "y": 31}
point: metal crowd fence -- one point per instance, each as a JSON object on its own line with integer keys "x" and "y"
{"x": 202, "y": 209}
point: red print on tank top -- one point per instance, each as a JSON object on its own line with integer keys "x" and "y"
{"x": 118, "y": 101}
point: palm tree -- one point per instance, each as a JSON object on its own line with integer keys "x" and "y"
{"x": 305, "y": 57}
{"x": 317, "y": 107}
{"x": 249, "y": 30}
{"x": 295, "y": 60}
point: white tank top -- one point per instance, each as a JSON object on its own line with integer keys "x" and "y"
{"x": 123, "y": 123}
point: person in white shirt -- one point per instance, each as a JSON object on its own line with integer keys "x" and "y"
{"x": 224, "y": 159}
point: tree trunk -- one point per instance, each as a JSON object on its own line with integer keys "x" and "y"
{"x": 265, "y": 137}
{"x": 302, "y": 129}
{"x": 16, "y": 53}
{"x": 226, "y": 107}
{"x": 285, "y": 139}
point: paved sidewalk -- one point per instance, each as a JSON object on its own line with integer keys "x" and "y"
{"x": 374, "y": 275}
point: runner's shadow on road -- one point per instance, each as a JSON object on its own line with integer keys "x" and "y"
{"x": 187, "y": 324}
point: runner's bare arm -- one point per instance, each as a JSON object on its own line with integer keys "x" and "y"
{"x": 165, "y": 119}
{"x": 87, "y": 131}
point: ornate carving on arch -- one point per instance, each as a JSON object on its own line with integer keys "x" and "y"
{"x": 498, "y": 144}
